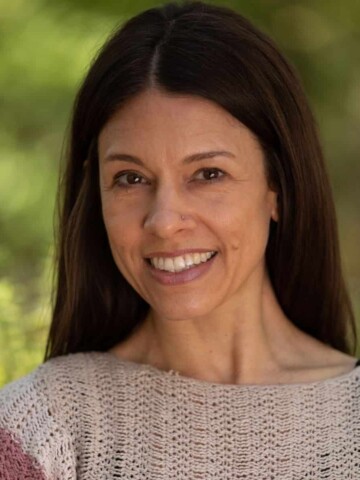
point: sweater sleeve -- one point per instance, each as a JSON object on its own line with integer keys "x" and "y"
{"x": 33, "y": 445}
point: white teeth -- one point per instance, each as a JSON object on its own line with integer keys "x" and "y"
{"x": 177, "y": 264}
{"x": 169, "y": 265}
{"x": 197, "y": 258}
{"x": 188, "y": 260}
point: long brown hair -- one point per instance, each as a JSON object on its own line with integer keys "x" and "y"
{"x": 213, "y": 52}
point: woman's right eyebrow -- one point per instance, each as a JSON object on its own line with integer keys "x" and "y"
{"x": 123, "y": 157}
{"x": 195, "y": 157}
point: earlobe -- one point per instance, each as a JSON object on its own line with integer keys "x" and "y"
{"x": 274, "y": 211}
{"x": 274, "y": 215}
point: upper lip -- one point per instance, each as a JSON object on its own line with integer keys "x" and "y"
{"x": 178, "y": 253}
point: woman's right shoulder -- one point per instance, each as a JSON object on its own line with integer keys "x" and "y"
{"x": 51, "y": 381}
{"x": 36, "y": 382}
{"x": 38, "y": 417}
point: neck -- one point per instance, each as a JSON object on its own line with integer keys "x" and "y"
{"x": 247, "y": 343}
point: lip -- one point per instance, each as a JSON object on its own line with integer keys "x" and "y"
{"x": 178, "y": 253}
{"x": 178, "y": 278}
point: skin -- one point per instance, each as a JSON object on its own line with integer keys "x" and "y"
{"x": 226, "y": 326}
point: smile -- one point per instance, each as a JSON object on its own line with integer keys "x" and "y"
{"x": 180, "y": 263}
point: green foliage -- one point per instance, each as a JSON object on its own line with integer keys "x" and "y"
{"x": 23, "y": 324}
{"x": 45, "y": 49}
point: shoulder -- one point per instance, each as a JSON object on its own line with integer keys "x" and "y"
{"x": 54, "y": 384}
{"x": 73, "y": 367}
{"x": 37, "y": 415}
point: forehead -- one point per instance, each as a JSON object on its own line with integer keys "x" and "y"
{"x": 176, "y": 125}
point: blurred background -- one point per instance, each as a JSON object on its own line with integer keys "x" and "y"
{"x": 45, "y": 49}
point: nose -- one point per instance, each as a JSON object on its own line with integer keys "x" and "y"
{"x": 168, "y": 214}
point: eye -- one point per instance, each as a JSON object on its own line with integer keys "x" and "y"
{"x": 210, "y": 174}
{"x": 125, "y": 179}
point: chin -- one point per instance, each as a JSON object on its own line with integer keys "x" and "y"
{"x": 178, "y": 312}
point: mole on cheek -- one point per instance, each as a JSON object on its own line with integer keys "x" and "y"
{"x": 234, "y": 241}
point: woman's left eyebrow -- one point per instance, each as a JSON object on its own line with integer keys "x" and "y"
{"x": 195, "y": 157}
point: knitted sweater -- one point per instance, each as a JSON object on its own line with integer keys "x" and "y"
{"x": 92, "y": 416}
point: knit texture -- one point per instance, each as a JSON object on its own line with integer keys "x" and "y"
{"x": 92, "y": 416}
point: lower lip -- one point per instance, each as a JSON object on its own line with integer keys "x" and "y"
{"x": 177, "y": 278}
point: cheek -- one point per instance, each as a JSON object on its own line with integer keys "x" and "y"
{"x": 246, "y": 228}
{"x": 120, "y": 225}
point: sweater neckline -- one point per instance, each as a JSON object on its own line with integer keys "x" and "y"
{"x": 190, "y": 381}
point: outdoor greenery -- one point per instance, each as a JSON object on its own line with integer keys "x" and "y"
{"x": 45, "y": 49}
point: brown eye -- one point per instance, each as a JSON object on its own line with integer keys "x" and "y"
{"x": 210, "y": 174}
{"x": 124, "y": 179}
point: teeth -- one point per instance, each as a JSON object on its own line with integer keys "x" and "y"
{"x": 177, "y": 264}
{"x": 169, "y": 265}
{"x": 197, "y": 258}
{"x": 188, "y": 260}
{"x": 203, "y": 257}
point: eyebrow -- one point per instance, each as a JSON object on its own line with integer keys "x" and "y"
{"x": 195, "y": 157}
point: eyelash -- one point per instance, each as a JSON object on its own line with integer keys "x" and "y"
{"x": 130, "y": 185}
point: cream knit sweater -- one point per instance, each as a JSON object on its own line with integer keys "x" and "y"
{"x": 91, "y": 416}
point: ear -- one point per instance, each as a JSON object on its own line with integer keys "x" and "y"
{"x": 275, "y": 216}
{"x": 275, "y": 207}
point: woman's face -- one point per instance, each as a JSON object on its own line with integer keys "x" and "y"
{"x": 160, "y": 201}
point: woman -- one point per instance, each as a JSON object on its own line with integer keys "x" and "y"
{"x": 202, "y": 327}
